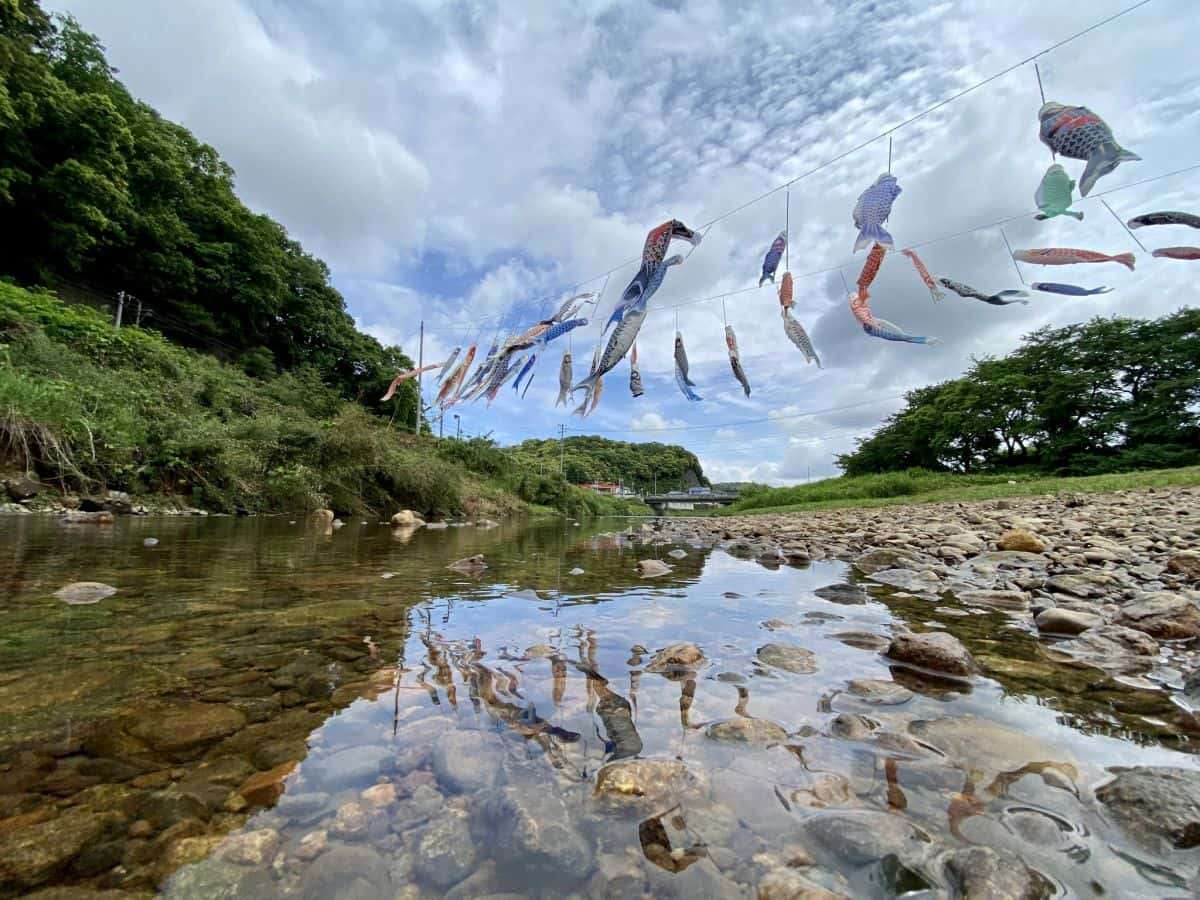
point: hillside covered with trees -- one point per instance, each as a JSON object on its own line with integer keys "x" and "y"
{"x": 640, "y": 467}
{"x": 104, "y": 192}
{"x": 1107, "y": 395}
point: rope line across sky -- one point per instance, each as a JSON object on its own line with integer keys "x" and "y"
{"x": 541, "y": 302}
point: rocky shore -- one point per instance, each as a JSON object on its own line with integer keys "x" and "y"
{"x": 1111, "y": 580}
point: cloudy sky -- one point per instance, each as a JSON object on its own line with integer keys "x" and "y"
{"x": 467, "y": 163}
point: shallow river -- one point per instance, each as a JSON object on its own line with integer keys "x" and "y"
{"x": 518, "y": 730}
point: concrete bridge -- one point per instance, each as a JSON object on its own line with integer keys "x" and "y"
{"x": 661, "y": 503}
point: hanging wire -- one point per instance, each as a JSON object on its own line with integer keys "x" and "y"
{"x": 787, "y": 231}
{"x": 724, "y": 317}
{"x": 1010, "y": 255}
{"x": 1038, "y": 72}
{"x": 889, "y": 154}
{"x": 1121, "y": 221}
{"x": 845, "y": 283}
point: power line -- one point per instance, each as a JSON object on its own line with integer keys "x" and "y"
{"x": 886, "y": 133}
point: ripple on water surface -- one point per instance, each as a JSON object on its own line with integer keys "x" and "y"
{"x": 264, "y": 709}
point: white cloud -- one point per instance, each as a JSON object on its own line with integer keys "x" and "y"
{"x": 454, "y": 162}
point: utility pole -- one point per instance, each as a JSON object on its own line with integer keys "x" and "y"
{"x": 562, "y": 431}
{"x": 458, "y": 422}
{"x": 441, "y": 422}
{"x": 139, "y": 312}
{"x": 420, "y": 394}
{"x": 120, "y": 307}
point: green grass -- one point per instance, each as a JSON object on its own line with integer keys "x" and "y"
{"x": 86, "y": 406}
{"x": 918, "y": 486}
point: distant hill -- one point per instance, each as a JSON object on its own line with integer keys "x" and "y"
{"x": 640, "y": 467}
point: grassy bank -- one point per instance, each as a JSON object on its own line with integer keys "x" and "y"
{"x": 920, "y": 486}
{"x": 88, "y": 407}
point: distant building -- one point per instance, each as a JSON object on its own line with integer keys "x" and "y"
{"x": 603, "y": 487}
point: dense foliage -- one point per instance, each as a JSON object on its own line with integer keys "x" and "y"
{"x": 108, "y": 193}
{"x": 640, "y": 467}
{"x": 1102, "y": 396}
{"x": 87, "y": 406}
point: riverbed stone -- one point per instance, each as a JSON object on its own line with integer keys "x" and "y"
{"x": 747, "y": 730}
{"x": 982, "y": 873}
{"x": 682, "y": 656}
{"x": 445, "y": 852}
{"x": 1084, "y": 585}
{"x": 335, "y": 872}
{"x": 251, "y": 848}
{"x": 652, "y": 568}
{"x": 264, "y": 788}
{"x": 1186, "y": 563}
{"x": 1113, "y": 648}
{"x": 1059, "y": 620}
{"x": 859, "y": 837}
{"x": 653, "y": 780}
{"x": 184, "y": 726}
{"x": 538, "y": 828}
{"x": 891, "y": 558}
{"x": 354, "y": 767}
{"x": 845, "y": 594}
{"x": 1021, "y": 540}
{"x": 786, "y": 883}
{"x": 788, "y": 657}
{"x": 1157, "y": 806}
{"x": 33, "y": 850}
{"x": 1163, "y": 615}
{"x": 470, "y": 565}
{"x": 878, "y": 692}
{"x": 1000, "y": 599}
{"x": 467, "y": 761}
{"x": 937, "y": 651}
{"x": 84, "y": 593}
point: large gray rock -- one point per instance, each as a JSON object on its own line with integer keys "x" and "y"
{"x": 937, "y": 651}
{"x": 21, "y": 488}
{"x": 890, "y": 558}
{"x": 1186, "y": 564}
{"x": 1158, "y": 806}
{"x": 788, "y": 657}
{"x": 1058, "y": 620}
{"x": 919, "y": 582}
{"x": 467, "y": 761}
{"x": 185, "y": 726}
{"x": 1113, "y": 648}
{"x": 858, "y": 837}
{"x": 1088, "y": 585}
{"x": 1162, "y": 615}
{"x": 344, "y": 869}
{"x": 445, "y": 851}
{"x": 537, "y": 828}
{"x": 981, "y": 873}
{"x": 879, "y": 692}
{"x": 681, "y": 657}
{"x": 845, "y": 594}
{"x": 1015, "y": 600}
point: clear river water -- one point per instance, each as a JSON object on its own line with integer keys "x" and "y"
{"x": 266, "y": 708}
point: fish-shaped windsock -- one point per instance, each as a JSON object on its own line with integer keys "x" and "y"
{"x": 873, "y": 208}
{"x": 797, "y": 335}
{"x": 871, "y": 267}
{"x": 640, "y": 290}
{"x": 785, "y": 291}
{"x": 684, "y": 386}
{"x": 596, "y": 392}
{"x": 524, "y": 371}
{"x": 1053, "y": 196}
{"x": 558, "y": 329}
{"x": 1164, "y": 218}
{"x": 588, "y": 384}
{"x": 771, "y": 260}
{"x": 934, "y": 290}
{"x": 571, "y": 305}
{"x": 635, "y": 375}
{"x": 1176, "y": 253}
{"x": 681, "y": 360}
{"x": 405, "y": 376}
{"x": 1078, "y": 133}
{"x": 1070, "y": 290}
{"x": 527, "y": 384}
{"x": 1065, "y": 256}
{"x": 453, "y": 385}
{"x": 1004, "y": 298}
{"x": 735, "y": 361}
{"x": 660, "y": 238}
{"x": 447, "y": 364}
{"x": 528, "y": 337}
{"x": 564, "y": 380}
{"x": 881, "y": 328}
